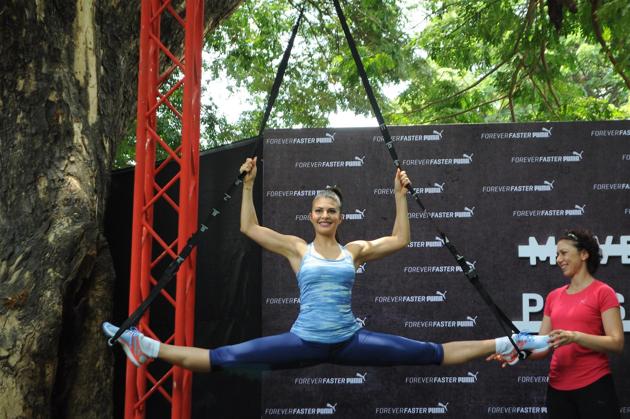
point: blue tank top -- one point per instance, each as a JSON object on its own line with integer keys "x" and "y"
{"x": 325, "y": 298}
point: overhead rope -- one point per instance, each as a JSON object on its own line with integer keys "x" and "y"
{"x": 194, "y": 240}
{"x": 469, "y": 270}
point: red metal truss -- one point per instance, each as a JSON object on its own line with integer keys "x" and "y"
{"x": 177, "y": 191}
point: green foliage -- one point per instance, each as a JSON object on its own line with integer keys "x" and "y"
{"x": 470, "y": 61}
{"x": 321, "y": 77}
{"x": 504, "y": 60}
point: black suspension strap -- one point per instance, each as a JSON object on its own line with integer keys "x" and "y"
{"x": 194, "y": 240}
{"x": 469, "y": 270}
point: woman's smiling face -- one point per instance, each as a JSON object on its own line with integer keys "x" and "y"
{"x": 569, "y": 258}
{"x": 325, "y": 215}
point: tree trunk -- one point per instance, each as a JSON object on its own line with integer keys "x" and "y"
{"x": 68, "y": 72}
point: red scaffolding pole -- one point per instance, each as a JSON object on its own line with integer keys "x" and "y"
{"x": 161, "y": 77}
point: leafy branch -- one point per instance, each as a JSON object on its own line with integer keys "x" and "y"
{"x": 600, "y": 38}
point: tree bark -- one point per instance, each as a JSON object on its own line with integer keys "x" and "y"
{"x": 68, "y": 72}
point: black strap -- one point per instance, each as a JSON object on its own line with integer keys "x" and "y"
{"x": 194, "y": 240}
{"x": 468, "y": 269}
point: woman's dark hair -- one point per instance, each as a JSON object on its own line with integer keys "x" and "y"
{"x": 331, "y": 192}
{"x": 584, "y": 240}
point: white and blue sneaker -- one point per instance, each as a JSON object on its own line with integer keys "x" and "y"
{"x": 131, "y": 342}
{"x": 525, "y": 342}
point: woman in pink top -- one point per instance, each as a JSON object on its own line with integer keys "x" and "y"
{"x": 584, "y": 325}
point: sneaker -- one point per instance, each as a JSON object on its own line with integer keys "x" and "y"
{"x": 525, "y": 342}
{"x": 130, "y": 342}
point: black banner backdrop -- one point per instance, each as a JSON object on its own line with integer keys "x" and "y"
{"x": 502, "y": 193}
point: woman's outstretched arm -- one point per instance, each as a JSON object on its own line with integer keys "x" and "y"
{"x": 364, "y": 250}
{"x": 291, "y": 247}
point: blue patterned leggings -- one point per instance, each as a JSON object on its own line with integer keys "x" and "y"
{"x": 364, "y": 348}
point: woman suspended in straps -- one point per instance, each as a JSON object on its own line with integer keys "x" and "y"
{"x": 326, "y": 330}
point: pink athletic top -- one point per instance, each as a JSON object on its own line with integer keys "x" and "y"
{"x": 572, "y": 365}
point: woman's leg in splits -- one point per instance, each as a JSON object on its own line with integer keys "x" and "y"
{"x": 464, "y": 351}
{"x": 372, "y": 348}
{"x": 191, "y": 358}
{"x": 286, "y": 350}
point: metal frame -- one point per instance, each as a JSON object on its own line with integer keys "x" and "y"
{"x": 154, "y": 99}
